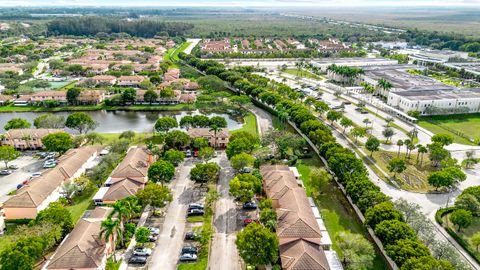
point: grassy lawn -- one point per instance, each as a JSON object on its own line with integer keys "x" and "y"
{"x": 249, "y": 125}
{"x": 195, "y": 219}
{"x": 172, "y": 53}
{"x": 467, "y": 233}
{"x": 336, "y": 213}
{"x": 303, "y": 73}
{"x": 413, "y": 178}
{"x": 456, "y": 125}
{"x": 80, "y": 204}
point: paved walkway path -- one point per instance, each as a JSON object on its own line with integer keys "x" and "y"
{"x": 193, "y": 43}
{"x": 224, "y": 254}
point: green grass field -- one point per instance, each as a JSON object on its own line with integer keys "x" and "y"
{"x": 467, "y": 233}
{"x": 331, "y": 203}
{"x": 302, "y": 73}
{"x": 467, "y": 124}
{"x": 249, "y": 125}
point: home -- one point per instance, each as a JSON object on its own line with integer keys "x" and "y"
{"x": 171, "y": 74}
{"x": 28, "y": 138}
{"x": 59, "y": 96}
{"x": 218, "y": 139}
{"x": 130, "y": 81}
{"x": 47, "y": 188}
{"x": 104, "y": 79}
{"x": 23, "y": 100}
{"x": 91, "y": 97}
{"x": 188, "y": 98}
{"x": 4, "y": 99}
{"x": 128, "y": 178}
{"x": 297, "y": 229}
{"x": 83, "y": 248}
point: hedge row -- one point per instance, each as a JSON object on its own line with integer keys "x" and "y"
{"x": 405, "y": 248}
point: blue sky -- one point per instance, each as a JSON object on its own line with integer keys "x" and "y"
{"x": 241, "y": 3}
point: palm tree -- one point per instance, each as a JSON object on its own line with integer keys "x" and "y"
{"x": 122, "y": 212}
{"x": 215, "y": 129}
{"x": 385, "y": 85}
{"x": 110, "y": 228}
{"x": 421, "y": 151}
{"x": 399, "y": 144}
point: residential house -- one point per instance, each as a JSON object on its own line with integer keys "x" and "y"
{"x": 83, "y": 248}
{"x": 28, "y": 138}
{"x": 220, "y": 140}
{"x": 128, "y": 178}
{"x": 104, "y": 79}
{"x": 171, "y": 75}
{"x": 91, "y": 97}
{"x": 47, "y": 188}
{"x": 4, "y": 99}
{"x": 297, "y": 229}
{"x": 59, "y": 96}
{"x": 23, "y": 100}
{"x": 130, "y": 81}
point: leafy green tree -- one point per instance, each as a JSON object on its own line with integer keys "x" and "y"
{"x": 440, "y": 179}
{"x": 49, "y": 120}
{"x": 242, "y": 160}
{"x": 389, "y": 231}
{"x": 469, "y": 203}
{"x": 405, "y": 249}
{"x": 400, "y": 143}
{"x": 141, "y": 235}
{"x": 128, "y": 95}
{"x": 150, "y": 96}
{"x": 206, "y": 153}
{"x": 166, "y": 123}
{"x": 426, "y": 263}
{"x": 58, "y": 142}
{"x": 56, "y": 213}
{"x": 358, "y": 132}
{"x": 218, "y": 121}
{"x": 146, "y": 84}
{"x": 7, "y": 154}
{"x": 380, "y": 212}
{"x": 442, "y": 138}
{"x": 72, "y": 95}
{"x": 396, "y": 165}
{"x": 212, "y": 83}
{"x": 81, "y": 122}
{"x": 462, "y": 218}
{"x": 333, "y": 116}
{"x": 177, "y": 139}
{"x": 257, "y": 245}
{"x": 345, "y": 123}
{"x": 475, "y": 239}
{"x": 388, "y": 133}
{"x": 161, "y": 171}
{"x": 174, "y": 156}
{"x": 357, "y": 252}
{"x": 437, "y": 153}
{"x": 127, "y": 135}
{"x": 238, "y": 146}
{"x": 203, "y": 173}
{"x": 187, "y": 121}
{"x": 16, "y": 123}
{"x": 22, "y": 254}
{"x": 372, "y": 145}
{"x": 241, "y": 190}
{"x": 154, "y": 195}
{"x": 268, "y": 217}
{"x": 319, "y": 178}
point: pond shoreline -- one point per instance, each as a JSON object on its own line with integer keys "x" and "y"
{"x": 180, "y": 107}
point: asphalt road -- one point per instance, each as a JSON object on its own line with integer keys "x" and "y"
{"x": 27, "y": 165}
{"x": 224, "y": 254}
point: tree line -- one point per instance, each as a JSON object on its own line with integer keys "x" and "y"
{"x": 92, "y": 25}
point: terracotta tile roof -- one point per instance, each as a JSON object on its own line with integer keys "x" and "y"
{"x": 83, "y": 247}
{"x": 33, "y": 133}
{"x": 121, "y": 189}
{"x": 205, "y": 132}
{"x": 134, "y": 165}
{"x": 38, "y": 189}
{"x": 302, "y": 255}
{"x": 133, "y": 78}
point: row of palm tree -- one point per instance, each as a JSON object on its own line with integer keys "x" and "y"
{"x": 114, "y": 226}
{"x": 348, "y": 74}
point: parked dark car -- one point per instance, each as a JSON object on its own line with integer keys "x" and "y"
{"x": 195, "y": 206}
{"x": 190, "y": 236}
{"x": 363, "y": 111}
{"x": 195, "y": 212}
{"x": 189, "y": 249}
{"x": 248, "y": 221}
{"x": 152, "y": 238}
{"x": 245, "y": 170}
{"x": 137, "y": 260}
{"x": 249, "y": 206}
{"x": 188, "y": 257}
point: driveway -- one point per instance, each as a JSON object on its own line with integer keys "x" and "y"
{"x": 170, "y": 241}
{"x": 193, "y": 43}
{"x": 224, "y": 254}
{"x": 26, "y": 166}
